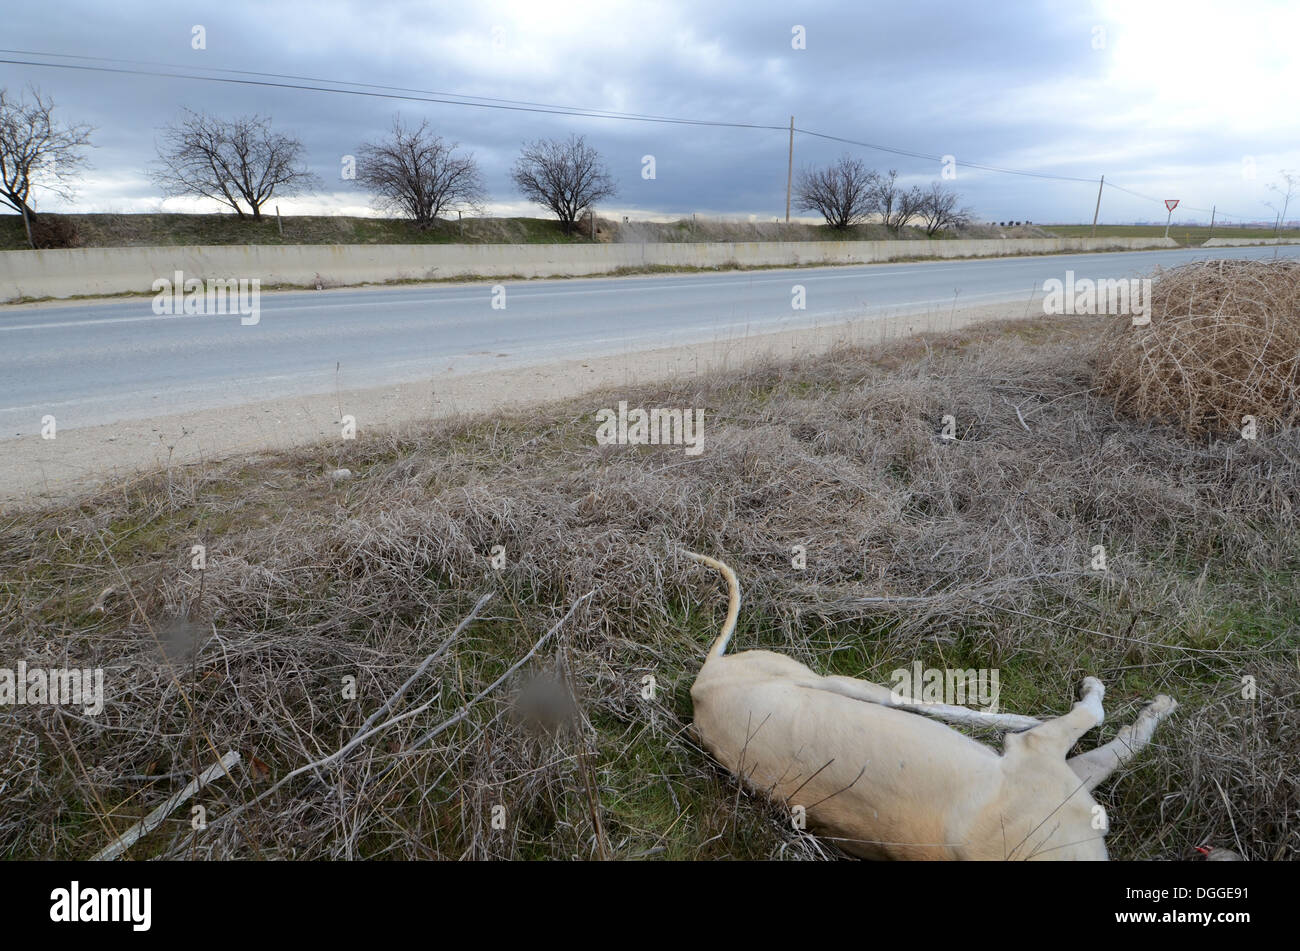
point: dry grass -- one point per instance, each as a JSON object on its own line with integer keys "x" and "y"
{"x": 1223, "y": 343}
{"x": 721, "y": 229}
{"x": 980, "y": 549}
{"x": 1186, "y": 235}
{"x": 173, "y": 229}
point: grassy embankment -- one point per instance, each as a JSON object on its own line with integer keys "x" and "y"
{"x": 1187, "y": 236}
{"x": 163, "y": 230}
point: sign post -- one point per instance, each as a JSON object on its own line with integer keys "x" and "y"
{"x": 1171, "y": 204}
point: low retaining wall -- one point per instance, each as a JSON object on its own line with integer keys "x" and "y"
{"x": 91, "y": 271}
{"x": 1245, "y": 242}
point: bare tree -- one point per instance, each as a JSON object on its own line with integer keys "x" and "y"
{"x": 938, "y": 210}
{"x": 844, "y": 193}
{"x": 1292, "y": 180}
{"x": 567, "y": 177}
{"x": 35, "y": 151}
{"x": 897, "y": 206}
{"x": 414, "y": 173}
{"x": 230, "y": 161}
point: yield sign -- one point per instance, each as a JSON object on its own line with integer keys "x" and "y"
{"x": 1171, "y": 203}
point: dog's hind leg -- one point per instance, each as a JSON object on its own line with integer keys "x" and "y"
{"x": 1062, "y": 733}
{"x": 1096, "y": 765}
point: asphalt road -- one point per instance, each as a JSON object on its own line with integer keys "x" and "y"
{"x": 99, "y": 362}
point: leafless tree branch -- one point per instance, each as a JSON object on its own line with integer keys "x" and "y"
{"x": 568, "y": 177}
{"x": 36, "y": 151}
{"x": 414, "y": 173}
{"x": 897, "y": 206}
{"x": 844, "y": 193}
{"x": 938, "y": 209}
{"x": 233, "y": 161}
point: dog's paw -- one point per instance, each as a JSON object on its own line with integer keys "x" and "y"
{"x": 1162, "y": 705}
{"x": 1092, "y": 685}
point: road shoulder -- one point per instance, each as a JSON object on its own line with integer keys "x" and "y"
{"x": 36, "y": 471}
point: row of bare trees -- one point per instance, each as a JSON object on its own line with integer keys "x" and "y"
{"x": 849, "y": 193}
{"x": 415, "y": 173}
{"x": 411, "y": 172}
{"x": 242, "y": 163}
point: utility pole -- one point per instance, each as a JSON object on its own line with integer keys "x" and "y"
{"x": 1097, "y": 210}
{"x": 789, "y": 172}
{"x": 1213, "y": 209}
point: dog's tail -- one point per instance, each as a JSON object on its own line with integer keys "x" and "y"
{"x": 733, "y": 603}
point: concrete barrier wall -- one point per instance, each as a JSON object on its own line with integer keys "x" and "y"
{"x": 1245, "y": 242}
{"x": 82, "y": 271}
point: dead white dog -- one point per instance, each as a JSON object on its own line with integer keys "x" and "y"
{"x": 885, "y": 783}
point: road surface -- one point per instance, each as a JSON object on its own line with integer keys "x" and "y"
{"x": 105, "y": 361}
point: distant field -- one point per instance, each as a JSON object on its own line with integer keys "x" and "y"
{"x": 160, "y": 230}
{"x": 1189, "y": 235}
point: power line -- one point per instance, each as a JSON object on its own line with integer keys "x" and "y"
{"x": 374, "y": 90}
{"x": 508, "y": 105}
{"x": 1009, "y": 171}
{"x": 425, "y": 95}
{"x": 338, "y": 82}
{"x": 939, "y": 158}
{"x": 1130, "y": 191}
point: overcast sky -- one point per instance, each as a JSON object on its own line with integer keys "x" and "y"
{"x": 1168, "y": 98}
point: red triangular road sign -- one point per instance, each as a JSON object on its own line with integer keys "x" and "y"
{"x": 1171, "y": 203}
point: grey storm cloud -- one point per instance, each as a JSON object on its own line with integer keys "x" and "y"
{"x": 1014, "y": 84}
